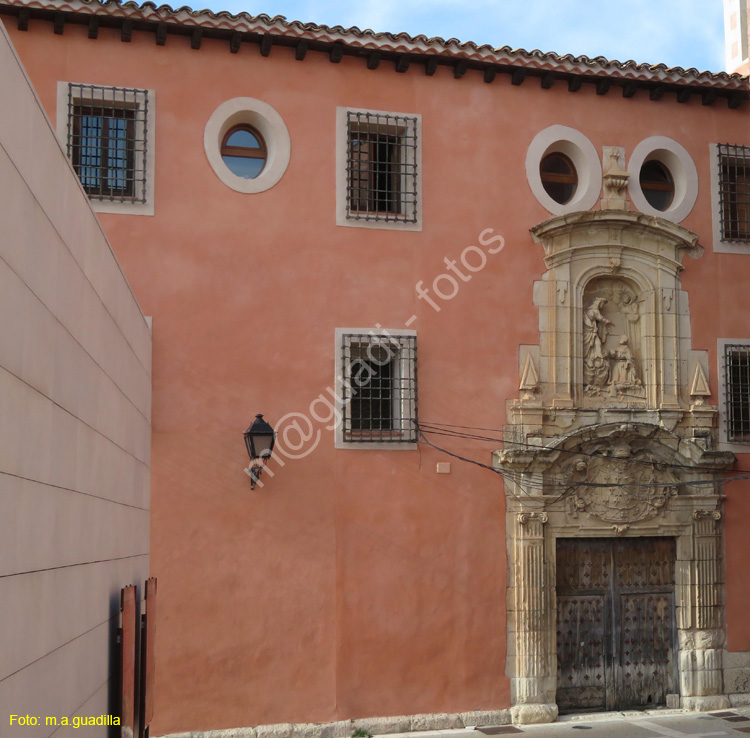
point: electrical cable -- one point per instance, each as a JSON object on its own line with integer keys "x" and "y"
{"x": 444, "y": 429}
{"x": 499, "y": 472}
{"x": 525, "y": 484}
{"x": 438, "y": 430}
{"x": 697, "y": 482}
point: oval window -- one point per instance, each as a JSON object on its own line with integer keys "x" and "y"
{"x": 657, "y": 184}
{"x": 244, "y": 151}
{"x": 559, "y": 177}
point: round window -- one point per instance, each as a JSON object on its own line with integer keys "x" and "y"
{"x": 663, "y": 179}
{"x": 559, "y": 177}
{"x": 657, "y": 184}
{"x": 244, "y": 151}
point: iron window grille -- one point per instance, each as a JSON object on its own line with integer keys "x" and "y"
{"x": 381, "y": 167}
{"x": 379, "y": 383}
{"x": 107, "y": 133}
{"x": 737, "y": 384}
{"x": 734, "y": 192}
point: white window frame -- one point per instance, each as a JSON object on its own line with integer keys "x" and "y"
{"x": 402, "y": 407}
{"x": 583, "y": 154}
{"x": 724, "y": 443}
{"x": 270, "y": 125}
{"x": 342, "y": 184}
{"x": 721, "y": 246}
{"x": 63, "y": 134}
{"x": 675, "y": 157}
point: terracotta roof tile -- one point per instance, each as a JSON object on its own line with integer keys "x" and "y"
{"x": 393, "y": 42}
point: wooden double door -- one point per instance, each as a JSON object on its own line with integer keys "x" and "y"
{"x": 616, "y": 634}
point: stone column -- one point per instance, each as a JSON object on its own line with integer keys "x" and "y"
{"x": 701, "y": 645}
{"x": 534, "y": 680}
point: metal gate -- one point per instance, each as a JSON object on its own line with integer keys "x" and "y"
{"x": 615, "y": 623}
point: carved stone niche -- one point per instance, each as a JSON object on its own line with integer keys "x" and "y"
{"x": 614, "y": 322}
{"x": 613, "y": 480}
{"x": 612, "y": 342}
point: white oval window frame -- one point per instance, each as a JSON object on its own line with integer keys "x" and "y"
{"x": 583, "y": 154}
{"x": 681, "y": 166}
{"x": 270, "y": 125}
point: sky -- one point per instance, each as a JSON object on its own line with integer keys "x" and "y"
{"x": 686, "y": 33}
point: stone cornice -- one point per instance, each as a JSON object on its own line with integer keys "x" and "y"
{"x": 617, "y": 228}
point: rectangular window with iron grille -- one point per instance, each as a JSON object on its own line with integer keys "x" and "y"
{"x": 381, "y": 167}
{"x": 737, "y": 392}
{"x": 379, "y": 387}
{"x": 107, "y": 141}
{"x": 734, "y": 192}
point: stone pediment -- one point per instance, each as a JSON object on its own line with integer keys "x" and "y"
{"x": 584, "y": 234}
{"x": 613, "y": 440}
{"x": 617, "y": 472}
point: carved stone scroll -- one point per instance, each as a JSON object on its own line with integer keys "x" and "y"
{"x": 526, "y": 517}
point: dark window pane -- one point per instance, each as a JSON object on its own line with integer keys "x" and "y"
{"x": 372, "y": 406}
{"x": 659, "y": 200}
{"x": 657, "y": 184}
{"x": 381, "y": 167}
{"x": 560, "y": 192}
{"x": 117, "y": 150}
{"x": 734, "y": 192}
{"x": 555, "y": 164}
{"x": 559, "y": 177}
{"x": 737, "y": 359}
{"x": 89, "y": 150}
{"x": 374, "y": 183}
{"x": 379, "y": 388}
{"x": 103, "y": 144}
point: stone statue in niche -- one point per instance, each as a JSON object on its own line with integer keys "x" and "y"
{"x": 595, "y": 332}
{"x": 624, "y": 373}
{"x": 611, "y": 340}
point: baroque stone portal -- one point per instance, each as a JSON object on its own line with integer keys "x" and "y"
{"x": 611, "y": 438}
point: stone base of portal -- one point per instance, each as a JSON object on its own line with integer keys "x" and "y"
{"x": 529, "y": 714}
{"x": 706, "y": 704}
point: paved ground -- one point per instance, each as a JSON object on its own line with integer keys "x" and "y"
{"x": 652, "y": 724}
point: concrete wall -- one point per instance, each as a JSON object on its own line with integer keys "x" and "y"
{"x": 75, "y": 393}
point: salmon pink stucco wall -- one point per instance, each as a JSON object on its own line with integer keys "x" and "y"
{"x": 354, "y": 582}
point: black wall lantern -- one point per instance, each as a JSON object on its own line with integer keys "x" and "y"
{"x": 259, "y": 439}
